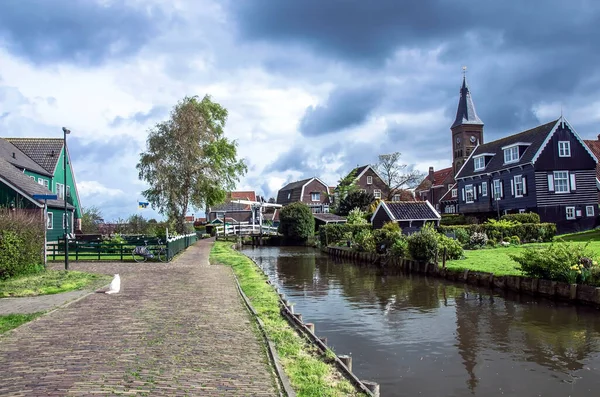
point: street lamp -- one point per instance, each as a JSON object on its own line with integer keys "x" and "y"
{"x": 65, "y": 216}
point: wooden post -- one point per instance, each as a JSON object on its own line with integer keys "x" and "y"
{"x": 444, "y": 258}
{"x": 347, "y": 360}
{"x": 121, "y": 249}
{"x": 311, "y": 327}
{"x": 372, "y": 386}
{"x": 76, "y": 251}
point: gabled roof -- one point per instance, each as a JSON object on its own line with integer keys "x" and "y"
{"x": 295, "y": 190}
{"x": 466, "y": 114}
{"x": 295, "y": 185}
{"x": 448, "y": 195}
{"x": 536, "y": 137}
{"x": 243, "y": 195}
{"x": 595, "y": 148}
{"x": 439, "y": 177}
{"x": 44, "y": 151}
{"x": 405, "y": 194}
{"x": 329, "y": 218}
{"x": 408, "y": 211}
{"x": 16, "y": 157}
{"x": 228, "y": 206}
{"x": 25, "y": 186}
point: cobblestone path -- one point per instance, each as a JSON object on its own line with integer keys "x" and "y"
{"x": 174, "y": 329}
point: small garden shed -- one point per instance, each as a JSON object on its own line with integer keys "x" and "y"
{"x": 410, "y": 215}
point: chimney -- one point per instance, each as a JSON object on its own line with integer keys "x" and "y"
{"x": 14, "y": 155}
{"x": 599, "y": 137}
{"x": 431, "y": 174}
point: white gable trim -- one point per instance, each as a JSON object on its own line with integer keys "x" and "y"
{"x": 22, "y": 193}
{"x": 554, "y": 129}
{"x": 466, "y": 162}
{"x": 580, "y": 140}
{"x": 438, "y": 216}
{"x": 387, "y": 210}
{"x": 374, "y": 171}
{"x": 309, "y": 181}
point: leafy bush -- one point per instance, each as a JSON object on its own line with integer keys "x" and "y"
{"x": 560, "y": 261}
{"x": 356, "y": 217}
{"x": 453, "y": 219}
{"x": 478, "y": 239}
{"x": 21, "y": 243}
{"x": 335, "y": 233}
{"x": 514, "y": 240}
{"x": 356, "y": 199}
{"x": 527, "y": 232}
{"x": 386, "y": 236}
{"x": 454, "y": 249}
{"x": 423, "y": 245}
{"x": 296, "y": 222}
{"x": 491, "y": 243}
{"x": 400, "y": 247}
{"x": 502, "y": 223}
{"x": 364, "y": 241}
{"x": 528, "y": 217}
{"x": 462, "y": 235}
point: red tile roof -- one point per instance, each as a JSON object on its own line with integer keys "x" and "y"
{"x": 595, "y": 148}
{"x": 243, "y": 195}
{"x": 439, "y": 177}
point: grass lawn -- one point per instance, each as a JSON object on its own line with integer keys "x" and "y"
{"x": 11, "y": 321}
{"x": 309, "y": 374}
{"x": 497, "y": 260}
{"x": 51, "y": 282}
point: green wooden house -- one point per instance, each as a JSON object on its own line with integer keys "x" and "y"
{"x": 31, "y": 166}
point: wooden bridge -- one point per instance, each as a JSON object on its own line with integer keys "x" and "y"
{"x": 246, "y": 229}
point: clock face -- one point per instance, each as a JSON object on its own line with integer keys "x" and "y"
{"x": 458, "y": 140}
{"x": 473, "y": 139}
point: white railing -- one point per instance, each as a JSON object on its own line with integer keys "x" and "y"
{"x": 245, "y": 229}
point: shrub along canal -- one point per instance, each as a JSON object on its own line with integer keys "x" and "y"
{"x": 420, "y": 336}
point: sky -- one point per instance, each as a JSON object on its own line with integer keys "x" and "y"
{"x": 313, "y": 87}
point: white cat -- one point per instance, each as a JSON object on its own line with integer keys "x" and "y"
{"x": 115, "y": 285}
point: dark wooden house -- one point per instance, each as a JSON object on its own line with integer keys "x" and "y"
{"x": 435, "y": 186}
{"x": 595, "y": 148}
{"x": 233, "y": 212}
{"x": 312, "y": 192}
{"x": 410, "y": 215}
{"x": 547, "y": 169}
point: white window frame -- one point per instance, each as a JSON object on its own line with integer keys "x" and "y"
{"x": 589, "y": 210}
{"x": 68, "y": 191}
{"x": 479, "y": 163}
{"x": 40, "y": 181}
{"x": 32, "y": 177}
{"x": 518, "y": 181}
{"x": 369, "y": 180}
{"x": 396, "y": 198}
{"x": 564, "y": 149}
{"x": 315, "y": 196}
{"x": 484, "y": 190}
{"x": 377, "y": 193}
{"x": 60, "y": 191}
{"x": 572, "y": 210}
{"x": 497, "y": 189}
{"x": 511, "y": 155}
{"x": 289, "y": 195}
{"x": 454, "y": 193}
{"x": 49, "y": 221}
{"x": 566, "y": 178}
{"x": 522, "y": 211}
{"x": 46, "y": 184}
{"x": 469, "y": 189}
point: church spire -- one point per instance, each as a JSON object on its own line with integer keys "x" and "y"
{"x": 465, "y": 114}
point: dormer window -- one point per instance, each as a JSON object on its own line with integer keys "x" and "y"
{"x": 479, "y": 163}
{"x": 564, "y": 149}
{"x": 511, "y": 155}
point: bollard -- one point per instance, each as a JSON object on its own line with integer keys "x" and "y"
{"x": 311, "y": 327}
{"x": 372, "y": 386}
{"x": 347, "y": 360}
{"x": 298, "y": 316}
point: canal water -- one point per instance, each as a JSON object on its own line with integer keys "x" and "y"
{"x": 419, "y": 336}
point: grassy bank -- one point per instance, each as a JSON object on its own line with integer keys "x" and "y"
{"x": 51, "y": 282}
{"x": 11, "y": 321}
{"x": 309, "y": 374}
{"x": 498, "y": 261}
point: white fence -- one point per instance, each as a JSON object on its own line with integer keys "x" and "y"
{"x": 245, "y": 229}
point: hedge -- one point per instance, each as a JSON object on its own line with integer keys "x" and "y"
{"x": 527, "y": 232}
{"x": 528, "y": 217}
{"x": 331, "y": 234}
{"x": 21, "y": 243}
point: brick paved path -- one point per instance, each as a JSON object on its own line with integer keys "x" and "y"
{"x": 33, "y": 304}
{"x": 175, "y": 329}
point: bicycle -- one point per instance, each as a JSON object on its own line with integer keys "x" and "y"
{"x": 142, "y": 253}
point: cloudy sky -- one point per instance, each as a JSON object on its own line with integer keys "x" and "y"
{"x": 313, "y": 87}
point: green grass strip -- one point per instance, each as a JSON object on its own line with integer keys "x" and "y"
{"x": 51, "y": 282}
{"x": 309, "y": 372}
{"x": 11, "y": 321}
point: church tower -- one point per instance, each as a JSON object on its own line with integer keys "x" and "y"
{"x": 467, "y": 129}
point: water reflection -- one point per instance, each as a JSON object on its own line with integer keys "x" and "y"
{"x": 416, "y": 335}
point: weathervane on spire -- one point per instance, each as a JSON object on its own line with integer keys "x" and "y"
{"x": 464, "y": 69}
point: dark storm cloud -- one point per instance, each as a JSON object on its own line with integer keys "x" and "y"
{"x": 78, "y": 31}
{"x": 345, "y": 107}
{"x": 140, "y": 117}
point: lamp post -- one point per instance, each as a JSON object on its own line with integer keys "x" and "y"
{"x": 65, "y": 216}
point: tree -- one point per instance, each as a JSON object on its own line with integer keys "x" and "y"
{"x": 137, "y": 224}
{"x": 272, "y": 200}
{"x": 395, "y": 174}
{"x": 91, "y": 217}
{"x": 188, "y": 161}
{"x": 296, "y": 222}
{"x": 356, "y": 199}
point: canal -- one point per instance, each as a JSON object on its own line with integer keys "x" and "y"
{"x": 423, "y": 336}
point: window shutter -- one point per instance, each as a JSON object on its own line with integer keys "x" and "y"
{"x": 512, "y": 187}
{"x": 573, "y": 184}
{"x": 474, "y": 193}
{"x": 463, "y": 194}
{"x": 524, "y": 186}
{"x": 550, "y": 183}
{"x": 501, "y": 188}
{"x": 479, "y": 188}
